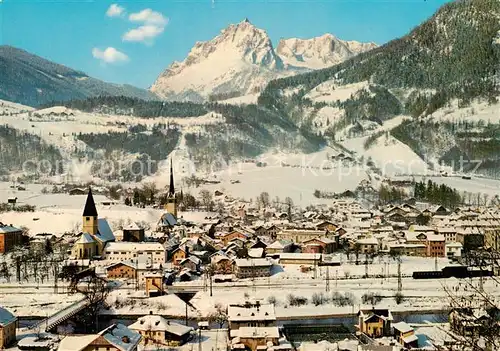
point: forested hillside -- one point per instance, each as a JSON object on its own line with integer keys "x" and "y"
{"x": 21, "y": 149}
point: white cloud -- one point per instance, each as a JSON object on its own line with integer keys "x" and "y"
{"x": 109, "y": 55}
{"x": 150, "y": 17}
{"x": 115, "y": 10}
{"x": 143, "y": 33}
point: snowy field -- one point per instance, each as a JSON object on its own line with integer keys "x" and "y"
{"x": 60, "y": 213}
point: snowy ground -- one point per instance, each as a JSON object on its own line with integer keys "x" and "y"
{"x": 60, "y": 213}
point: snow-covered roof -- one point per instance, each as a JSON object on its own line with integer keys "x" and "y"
{"x": 300, "y": 256}
{"x": 76, "y": 342}
{"x": 435, "y": 237}
{"x": 125, "y": 246}
{"x": 256, "y": 252}
{"x": 105, "y": 234}
{"x": 168, "y": 220}
{"x": 403, "y": 327}
{"x": 368, "y": 241}
{"x": 8, "y": 229}
{"x": 85, "y": 238}
{"x": 253, "y": 262}
{"x": 121, "y": 337}
{"x": 158, "y": 323}
{"x": 258, "y": 332}
{"x": 6, "y": 317}
{"x": 133, "y": 226}
{"x": 264, "y": 312}
{"x": 280, "y": 244}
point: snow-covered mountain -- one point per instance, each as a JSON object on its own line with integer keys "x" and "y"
{"x": 320, "y": 52}
{"x": 242, "y": 60}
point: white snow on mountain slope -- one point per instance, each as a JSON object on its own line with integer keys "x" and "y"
{"x": 477, "y": 111}
{"x": 390, "y": 155}
{"x": 242, "y": 59}
{"x": 332, "y": 91}
{"x": 7, "y": 107}
{"x": 319, "y": 52}
{"x": 242, "y": 100}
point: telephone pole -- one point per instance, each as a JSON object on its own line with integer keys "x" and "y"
{"x": 327, "y": 287}
{"x": 400, "y": 283}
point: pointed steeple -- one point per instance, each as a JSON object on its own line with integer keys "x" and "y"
{"x": 171, "y": 189}
{"x": 90, "y": 210}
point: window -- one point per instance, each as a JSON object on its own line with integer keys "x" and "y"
{"x": 87, "y": 218}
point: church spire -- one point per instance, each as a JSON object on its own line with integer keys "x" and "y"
{"x": 90, "y": 210}
{"x": 171, "y": 189}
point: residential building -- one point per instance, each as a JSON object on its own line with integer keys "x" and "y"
{"x": 156, "y": 330}
{"x": 121, "y": 251}
{"x": 252, "y": 267}
{"x": 9, "y": 237}
{"x": 179, "y": 254}
{"x": 251, "y": 315}
{"x": 228, "y": 237}
{"x": 405, "y": 335}
{"x": 279, "y": 246}
{"x": 435, "y": 245}
{"x": 300, "y": 235}
{"x": 131, "y": 269}
{"x": 453, "y": 250}
{"x": 255, "y": 338}
{"x": 471, "y": 240}
{"x": 319, "y": 245}
{"x": 133, "y": 233}
{"x": 154, "y": 284}
{"x": 368, "y": 245}
{"x": 8, "y": 325}
{"x": 117, "y": 337}
{"x": 300, "y": 258}
{"x": 375, "y": 322}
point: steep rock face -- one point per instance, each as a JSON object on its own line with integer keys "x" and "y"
{"x": 242, "y": 60}
{"x": 319, "y": 52}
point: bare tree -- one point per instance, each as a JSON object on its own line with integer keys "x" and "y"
{"x": 96, "y": 291}
{"x": 206, "y": 198}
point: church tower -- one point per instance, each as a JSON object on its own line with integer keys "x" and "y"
{"x": 171, "y": 206}
{"x": 90, "y": 223}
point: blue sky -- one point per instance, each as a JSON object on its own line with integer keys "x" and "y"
{"x": 144, "y": 37}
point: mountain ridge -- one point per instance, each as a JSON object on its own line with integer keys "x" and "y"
{"x": 240, "y": 60}
{"x": 32, "y": 80}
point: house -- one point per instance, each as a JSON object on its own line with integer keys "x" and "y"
{"x": 255, "y": 338}
{"x": 264, "y": 230}
{"x": 8, "y": 325}
{"x": 453, "y": 250}
{"x": 133, "y": 233}
{"x": 405, "y": 335}
{"x": 222, "y": 263}
{"x": 326, "y": 226}
{"x": 226, "y": 238}
{"x": 300, "y": 235}
{"x": 117, "y": 337}
{"x": 154, "y": 284}
{"x": 252, "y": 267}
{"x": 435, "y": 245}
{"x": 469, "y": 322}
{"x": 12, "y": 200}
{"x": 156, "y": 330}
{"x": 9, "y": 237}
{"x": 192, "y": 263}
{"x": 319, "y": 245}
{"x": 279, "y": 246}
{"x": 179, "y": 254}
{"x": 119, "y": 270}
{"x": 300, "y": 258}
{"x": 77, "y": 191}
{"x": 375, "y": 322}
{"x": 250, "y": 315}
{"x": 368, "y": 245}
{"x": 120, "y": 251}
{"x": 96, "y": 233}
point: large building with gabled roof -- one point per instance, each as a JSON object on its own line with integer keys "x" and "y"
{"x": 96, "y": 232}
